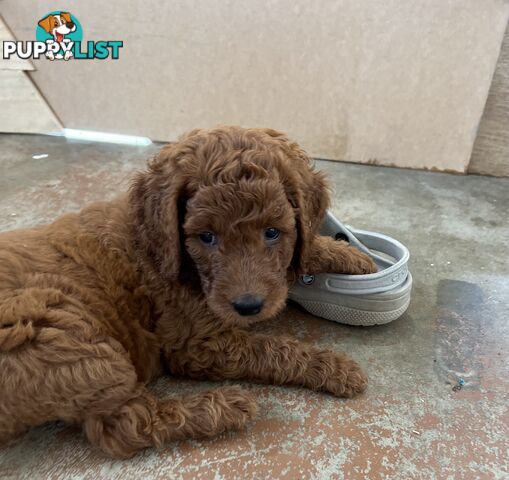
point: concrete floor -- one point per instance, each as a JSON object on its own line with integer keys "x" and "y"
{"x": 410, "y": 423}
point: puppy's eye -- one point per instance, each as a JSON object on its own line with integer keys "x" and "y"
{"x": 208, "y": 238}
{"x": 271, "y": 234}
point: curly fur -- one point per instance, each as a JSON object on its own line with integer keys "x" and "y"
{"x": 100, "y": 302}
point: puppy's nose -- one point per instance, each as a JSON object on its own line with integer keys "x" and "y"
{"x": 70, "y": 25}
{"x": 248, "y": 304}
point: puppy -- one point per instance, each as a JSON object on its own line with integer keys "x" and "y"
{"x": 167, "y": 279}
{"x": 59, "y": 26}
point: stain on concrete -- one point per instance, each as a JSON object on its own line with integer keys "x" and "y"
{"x": 483, "y": 223}
{"x": 458, "y": 332}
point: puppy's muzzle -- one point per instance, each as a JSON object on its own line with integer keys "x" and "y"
{"x": 248, "y": 304}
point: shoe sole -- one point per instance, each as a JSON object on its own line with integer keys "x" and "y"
{"x": 360, "y": 310}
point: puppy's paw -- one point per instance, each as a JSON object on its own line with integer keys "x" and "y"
{"x": 340, "y": 375}
{"x": 238, "y": 406}
{"x": 349, "y": 379}
{"x": 360, "y": 263}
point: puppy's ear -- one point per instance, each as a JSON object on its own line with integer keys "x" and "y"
{"x": 308, "y": 193}
{"x": 310, "y": 201}
{"x": 47, "y": 23}
{"x": 66, "y": 16}
{"x": 157, "y": 204}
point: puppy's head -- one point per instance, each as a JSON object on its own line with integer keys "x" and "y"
{"x": 235, "y": 207}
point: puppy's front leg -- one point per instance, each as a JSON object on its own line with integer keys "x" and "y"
{"x": 238, "y": 354}
{"x": 327, "y": 255}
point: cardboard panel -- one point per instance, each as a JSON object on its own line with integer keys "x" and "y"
{"x": 393, "y": 83}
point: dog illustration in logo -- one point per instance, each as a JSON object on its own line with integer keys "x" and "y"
{"x": 58, "y": 25}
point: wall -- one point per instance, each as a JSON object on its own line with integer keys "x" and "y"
{"x": 393, "y": 82}
{"x": 491, "y": 148}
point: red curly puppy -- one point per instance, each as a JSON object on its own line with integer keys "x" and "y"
{"x": 97, "y": 304}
